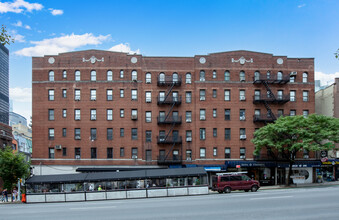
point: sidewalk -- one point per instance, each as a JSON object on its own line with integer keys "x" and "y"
{"x": 300, "y": 185}
{"x": 10, "y": 201}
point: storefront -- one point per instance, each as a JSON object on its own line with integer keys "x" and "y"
{"x": 329, "y": 170}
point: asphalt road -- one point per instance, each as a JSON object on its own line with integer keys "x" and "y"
{"x": 292, "y": 204}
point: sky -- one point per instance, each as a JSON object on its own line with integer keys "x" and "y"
{"x": 293, "y": 28}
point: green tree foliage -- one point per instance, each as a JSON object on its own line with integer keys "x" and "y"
{"x": 4, "y": 37}
{"x": 12, "y": 167}
{"x": 288, "y": 135}
{"x": 337, "y": 54}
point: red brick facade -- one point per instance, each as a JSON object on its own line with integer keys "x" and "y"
{"x": 234, "y": 62}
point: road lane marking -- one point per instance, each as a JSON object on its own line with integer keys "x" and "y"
{"x": 97, "y": 207}
{"x": 276, "y": 197}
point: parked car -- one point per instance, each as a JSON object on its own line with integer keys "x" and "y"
{"x": 234, "y": 181}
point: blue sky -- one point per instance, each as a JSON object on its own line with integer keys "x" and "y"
{"x": 295, "y": 28}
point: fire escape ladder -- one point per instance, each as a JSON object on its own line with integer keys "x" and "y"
{"x": 169, "y": 90}
{"x": 270, "y": 93}
{"x": 269, "y": 111}
{"x": 170, "y": 150}
{"x": 169, "y": 112}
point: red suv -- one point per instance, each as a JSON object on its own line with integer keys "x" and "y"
{"x": 228, "y": 182}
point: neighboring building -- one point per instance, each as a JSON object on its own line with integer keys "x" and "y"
{"x": 15, "y": 118}
{"x": 107, "y": 110}
{"x": 327, "y": 103}
{"x": 23, "y": 136}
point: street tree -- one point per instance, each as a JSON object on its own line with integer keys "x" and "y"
{"x": 12, "y": 167}
{"x": 5, "y": 38}
{"x": 289, "y": 135}
{"x": 337, "y": 54}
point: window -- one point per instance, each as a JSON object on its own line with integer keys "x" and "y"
{"x": 242, "y": 132}
{"x": 93, "y": 75}
{"x": 215, "y": 151}
{"x": 227, "y": 95}
{"x": 280, "y": 94}
{"x": 122, "y": 113}
{"x": 93, "y": 134}
{"x": 122, "y": 93}
{"x": 305, "y": 154}
{"x": 305, "y": 113}
{"x": 202, "y": 152}
{"x": 305, "y": 96}
{"x": 292, "y": 79}
{"x": 51, "y": 76}
{"x": 280, "y": 112}
{"x": 122, "y": 132}
{"x": 77, "y": 134}
{"x": 279, "y": 75}
{"x": 202, "y": 94}
{"x": 77, "y": 114}
{"x": 148, "y": 155}
{"x": 51, "y": 95}
{"x": 64, "y": 93}
{"x": 188, "y": 97}
{"x": 257, "y": 112}
{"x": 227, "y": 114}
{"x": 134, "y": 94}
{"x": 77, "y": 75}
{"x": 292, "y": 112}
{"x": 214, "y": 113}
{"x": 77, "y": 153}
{"x": 109, "y": 153}
{"x": 227, "y": 153}
{"x": 175, "y": 96}
{"x": 134, "y": 75}
{"x": 188, "y": 116}
{"x": 148, "y": 97}
{"x": 227, "y": 76}
{"x": 134, "y": 114}
{"x": 134, "y": 153}
{"x": 93, "y": 114}
{"x": 256, "y": 75}
{"x": 122, "y": 152}
{"x": 202, "y": 132}
{"x": 268, "y": 75}
{"x": 188, "y": 78}
{"x": 148, "y": 117}
{"x": 51, "y": 153}
{"x": 93, "y": 94}
{"x": 148, "y": 78}
{"x": 109, "y": 75}
{"x": 77, "y": 94}
{"x": 227, "y": 134}
{"x": 175, "y": 77}
{"x": 148, "y": 136}
{"x": 109, "y": 94}
{"x": 202, "y": 75}
{"x": 51, "y": 114}
{"x": 188, "y": 136}
{"x": 242, "y": 95}
{"x": 109, "y": 133}
{"x": 242, "y": 153}
{"x": 305, "y": 76}
{"x": 189, "y": 155}
{"x": 93, "y": 152}
{"x": 109, "y": 113}
{"x": 214, "y": 93}
{"x": 162, "y": 77}
{"x": 202, "y": 114}
{"x": 64, "y": 132}
{"x": 121, "y": 75}
{"x": 64, "y": 75}
{"x": 214, "y": 74}
{"x": 292, "y": 96}
{"x": 215, "y": 132}
{"x": 134, "y": 134}
{"x": 257, "y": 95}
{"x": 242, "y": 76}
{"x": 162, "y": 135}
{"x": 64, "y": 151}
{"x": 51, "y": 133}
{"x": 242, "y": 115}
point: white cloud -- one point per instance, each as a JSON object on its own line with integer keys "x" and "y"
{"x": 56, "y": 11}
{"x": 19, "y": 94}
{"x": 124, "y": 48}
{"x": 300, "y": 6}
{"x": 61, "y": 44}
{"x": 19, "y": 38}
{"x": 326, "y": 79}
{"x": 19, "y": 24}
{"x": 27, "y": 27}
{"x": 19, "y": 6}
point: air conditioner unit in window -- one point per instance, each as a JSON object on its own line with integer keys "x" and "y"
{"x": 242, "y": 98}
{"x": 77, "y": 99}
{"x": 77, "y": 138}
{"x": 134, "y": 117}
{"x": 242, "y": 157}
{"x": 134, "y": 80}
{"x": 202, "y": 98}
{"x": 242, "y": 118}
{"x": 306, "y": 156}
{"x": 77, "y": 157}
{"x": 148, "y": 100}
{"x": 58, "y": 147}
{"x": 189, "y": 159}
{"x": 93, "y": 99}
{"x": 243, "y": 137}
{"x": 189, "y": 139}
{"x": 188, "y": 120}
{"x": 293, "y": 73}
{"x": 134, "y": 157}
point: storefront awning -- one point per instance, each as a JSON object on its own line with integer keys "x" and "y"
{"x": 251, "y": 163}
{"x": 300, "y": 164}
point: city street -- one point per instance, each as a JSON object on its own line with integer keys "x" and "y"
{"x": 296, "y": 203}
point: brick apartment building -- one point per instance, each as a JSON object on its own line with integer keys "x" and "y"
{"x": 107, "y": 109}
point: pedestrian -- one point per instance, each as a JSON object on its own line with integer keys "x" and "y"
{"x": 99, "y": 188}
{"x": 14, "y": 195}
{"x": 5, "y": 193}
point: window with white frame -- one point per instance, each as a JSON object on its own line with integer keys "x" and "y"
{"x": 64, "y": 113}
{"x": 122, "y": 93}
{"x": 51, "y": 114}
{"x": 51, "y": 133}
{"x": 242, "y": 76}
{"x": 242, "y": 153}
{"x": 202, "y": 133}
{"x": 109, "y": 75}
{"x": 202, "y": 152}
{"x": 242, "y": 95}
{"x": 202, "y": 94}
{"x": 214, "y": 93}
{"x": 148, "y": 117}
{"x": 202, "y": 75}
{"x": 256, "y": 75}
{"x": 77, "y": 133}
{"x": 93, "y": 75}
{"x": 293, "y": 112}
{"x": 93, "y": 94}
{"x": 93, "y": 114}
{"x": 109, "y": 114}
{"x": 134, "y": 113}
{"x": 214, "y": 74}
{"x": 109, "y": 94}
{"x": 77, "y": 95}
{"x": 64, "y": 93}
{"x": 279, "y": 75}
{"x": 215, "y": 151}
{"x": 188, "y": 116}
{"x": 305, "y": 96}
{"x": 77, "y": 114}
{"x": 188, "y": 78}
{"x": 227, "y": 76}
{"x": 189, "y": 155}
{"x": 292, "y": 95}
{"x": 51, "y": 94}
{"x": 292, "y": 78}
{"x": 227, "y": 95}
{"x": 268, "y": 75}
{"x": 51, "y": 75}
{"x": 227, "y": 114}
{"x": 134, "y": 75}
{"x": 148, "y": 97}
{"x": 121, "y": 74}
{"x": 188, "y": 136}
{"x": 305, "y": 77}
{"x": 162, "y": 77}
{"x": 77, "y": 75}
{"x": 214, "y": 113}
{"x": 280, "y": 94}
{"x": 161, "y": 96}
{"x": 51, "y": 153}
{"x": 175, "y": 77}
{"x": 242, "y": 114}
{"x": 202, "y": 114}
{"x": 188, "y": 97}
{"x": 148, "y": 78}
{"x": 257, "y": 94}
{"x": 122, "y": 113}
{"x": 305, "y": 113}
{"x": 134, "y": 94}
{"x": 64, "y": 74}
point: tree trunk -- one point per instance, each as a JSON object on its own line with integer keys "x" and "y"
{"x": 289, "y": 181}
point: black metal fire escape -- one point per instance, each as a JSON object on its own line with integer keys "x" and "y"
{"x": 172, "y": 100}
{"x": 270, "y": 97}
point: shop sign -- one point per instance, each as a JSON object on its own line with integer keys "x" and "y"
{"x": 330, "y": 163}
